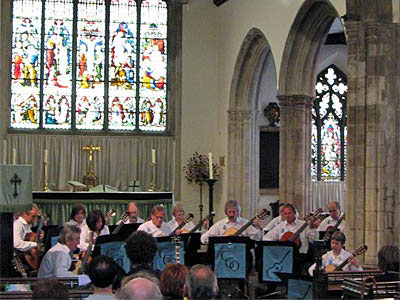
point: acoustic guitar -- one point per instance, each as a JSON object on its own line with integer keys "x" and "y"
{"x": 262, "y": 214}
{"x": 331, "y": 229}
{"x": 186, "y": 220}
{"x": 124, "y": 218}
{"x": 358, "y": 251}
{"x": 294, "y": 237}
{"x": 19, "y": 267}
{"x": 197, "y": 227}
{"x": 80, "y": 264}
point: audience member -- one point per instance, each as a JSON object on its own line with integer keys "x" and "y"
{"x": 141, "y": 274}
{"x": 102, "y": 271}
{"x": 50, "y": 288}
{"x": 141, "y": 248}
{"x": 201, "y": 283}
{"x": 140, "y": 288}
{"x": 172, "y": 281}
{"x": 388, "y": 262}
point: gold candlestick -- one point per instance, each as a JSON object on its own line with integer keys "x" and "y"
{"x": 45, "y": 184}
{"x": 153, "y": 180}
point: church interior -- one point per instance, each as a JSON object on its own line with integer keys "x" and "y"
{"x": 287, "y": 101}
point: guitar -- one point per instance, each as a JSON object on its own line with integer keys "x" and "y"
{"x": 186, "y": 220}
{"x": 124, "y": 218}
{"x": 197, "y": 227}
{"x": 18, "y": 265}
{"x": 109, "y": 214}
{"x": 32, "y": 256}
{"x": 294, "y": 237}
{"x": 177, "y": 242}
{"x": 262, "y": 214}
{"x": 358, "y": 251}
{"x": 331, "y": 229}
{"x": 80, "y": 265}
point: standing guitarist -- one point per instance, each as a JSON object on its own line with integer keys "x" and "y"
{"x": 233, "y": 221}
{"x": 334, "y": 216}
{"x": 292, "y": 224}
{"x": 23, "y": 234}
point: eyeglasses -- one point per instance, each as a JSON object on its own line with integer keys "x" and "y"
{"x": 332, "y": 210}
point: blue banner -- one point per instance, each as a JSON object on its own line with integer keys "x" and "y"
{"x": 116, "y": 250}
{"x": 299, "y": 289}
{"x": 276, "y": 259}
{"x": 166, "y": 254}
{"x": 230, "y": 260}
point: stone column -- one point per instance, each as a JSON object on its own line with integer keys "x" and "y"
{"x": 295, "y": 151}
{"x": 241, "y": 166}
{"x": 372, "y": 198}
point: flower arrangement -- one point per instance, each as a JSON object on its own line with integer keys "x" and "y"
{"x": 197, "y": 168}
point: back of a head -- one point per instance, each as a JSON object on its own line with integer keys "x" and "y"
{"x": 172, "y": 280}
{"x": 141, "y": 248}
{"x": 50, "y": 288}
{"x": 102, "y": 271}
{"x": 201, "y": 283}
{"x": 388, "y": 258}
{"x": 140, "y": 289}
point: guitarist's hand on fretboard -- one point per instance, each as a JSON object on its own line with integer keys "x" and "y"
{"x": 354, "y": 261}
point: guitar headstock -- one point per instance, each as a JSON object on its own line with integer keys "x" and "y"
{"x": 176, "y": 240}
{"x": 262, "y": 214}
{"x": 125, "y": 217}
{"x": 111, "y": 213}
{"x": 361, "y": 250}
{"x": 210, "y": 216}
{"x": 18, "y": 265}
{"x": 314, "y": 215}
{"x": 188, "y": 218}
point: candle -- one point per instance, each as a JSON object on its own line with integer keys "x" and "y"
{"x": 4, "y": 152}
{"x": 46, "y": 156}
{"x": 153, "y": 156}
{"x": 14, "y": 156}
{"x": 210, "y": 166}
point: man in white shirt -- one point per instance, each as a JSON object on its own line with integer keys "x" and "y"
{"x": 22, "y": 229}
{"x": 178, "y": 214}
{"x": 156, "y": 226}
{"x": 292, "y": 224}
{"x": 233, "y": 222}
{"x": 275, "y": 221}
{"x": 133, "y": 211}
{"x": 334, "y": 215}
{"x": 57, "y": 260}
{"x": 338, "y": 255}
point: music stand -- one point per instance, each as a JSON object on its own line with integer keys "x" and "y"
{"x": 126, "y": 228}
{"x": 166, "y": 253}
{"x": 191, "y": 243}
{"x": 275, "y": 260}
{"x": 114, "y": 247}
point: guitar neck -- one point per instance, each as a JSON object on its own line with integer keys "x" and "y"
{"x": 179, "y": 227}
{"x": 177, "y": 254}
{"x": 343, "y": 264}
{"x": 39, "y": 228}
{"x": 118, "y": 228}
{"x": 328, "y": 233}
{"x": 297, "y": 233}
{"x": 244, "y": 227}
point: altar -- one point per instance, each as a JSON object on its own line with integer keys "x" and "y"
{"x": 58, "y": 204}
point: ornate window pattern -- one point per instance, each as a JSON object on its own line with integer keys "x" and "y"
{"x": 89, "y": 65}
{"x": 329, "y": 130}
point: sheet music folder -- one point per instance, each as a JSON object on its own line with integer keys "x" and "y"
{"x": 126, "y": 228}
{"x": 109, "y": 238}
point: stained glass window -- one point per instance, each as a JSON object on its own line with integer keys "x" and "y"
{"x": 89, "y": 65}
{"x": 329, "y": 131}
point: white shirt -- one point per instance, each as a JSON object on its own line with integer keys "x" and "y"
{"x": 173, "y": 225}
{"x": 329, "y": 258}
{"x": 85, "y": 236}
{"x": 84, "y": 232}
{"x": 275, "y": 221}
{"x": 138, "y": 220}
{"x": 329, "y": 221}
{"x": 56, "y": 262}
{"x": 152, "y": 229}
{"x": 219, "y": 228}
{"x": 21, "y": 228}
{"x": 306, "y": 236}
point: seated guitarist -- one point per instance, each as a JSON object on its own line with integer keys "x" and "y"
{"x": 133, "y": 212}
{"x": 233, "y": 221}
{"x": 338, "y": 255}
{"x": 22, "y": 233}
{"x": 178, "y": 214}
{"x": 334, "y": 215}
{"x": 292, "y": 224}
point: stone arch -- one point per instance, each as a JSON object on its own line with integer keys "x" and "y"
{"x": 243, "y": 118}
{"x": 296, "y": 92}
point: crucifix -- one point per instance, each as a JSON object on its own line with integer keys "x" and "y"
{"x": 91, "y": 178}
{"x": 15, "y": 180}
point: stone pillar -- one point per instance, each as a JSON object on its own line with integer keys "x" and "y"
{"x": 242, "y": 167}
{"x": 372, "y": 198}
{"x": 295, "y": 151}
